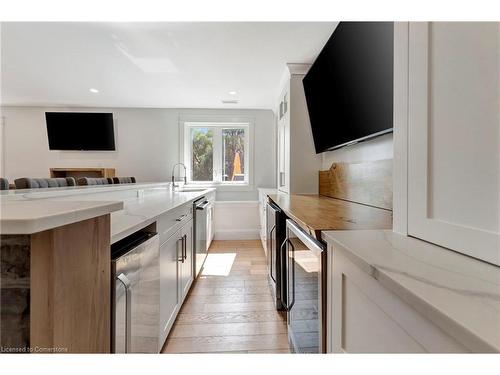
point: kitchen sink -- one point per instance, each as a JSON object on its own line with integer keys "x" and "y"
{"x": 190, "y": 190}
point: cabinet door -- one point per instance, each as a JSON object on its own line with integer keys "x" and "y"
{"x": 210, "y": 224}
{"x": 283, "y": 150}
{"x": 170, "y": 300}
{"x": 281, "y": 155}
{"x": 454, "y": 136}
{"x": 186, "y": 266}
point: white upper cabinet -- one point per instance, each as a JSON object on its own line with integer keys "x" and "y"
{"x": 298, "y": 163}
{"x": 454, "y": 136}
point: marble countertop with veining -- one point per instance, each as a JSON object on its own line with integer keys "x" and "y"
{"x": 458, "y": 293}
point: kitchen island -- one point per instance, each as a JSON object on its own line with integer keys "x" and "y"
{"x": 56, "y": 260}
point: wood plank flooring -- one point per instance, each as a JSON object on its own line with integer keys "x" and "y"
{"x": 230, "y": 308}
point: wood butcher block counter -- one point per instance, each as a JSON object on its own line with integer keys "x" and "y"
{"x": 316, "y": 213}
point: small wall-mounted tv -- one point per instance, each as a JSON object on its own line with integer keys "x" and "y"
{"x": 349, "y": 88}
{"x": 83, "y": 131}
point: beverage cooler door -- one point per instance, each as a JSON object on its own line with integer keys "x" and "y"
{"x": 271, "y": 244}
{"x": 136, "y": 296}
{"x": 304, "y": 294}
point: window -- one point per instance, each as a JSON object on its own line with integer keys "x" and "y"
{"x": 217, "y": 153}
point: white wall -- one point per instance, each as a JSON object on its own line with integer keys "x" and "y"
{"x": 147, "y": 143}
{"x": 379, "y": 148}
{"x": 236, "y": 220}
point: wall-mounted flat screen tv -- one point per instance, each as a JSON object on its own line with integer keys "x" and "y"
{"x": 349, "y": 88}
{"x": 85, "y": 131}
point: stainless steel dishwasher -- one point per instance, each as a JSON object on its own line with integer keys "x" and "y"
{"x": 200, "y": 234}
{"x": 135, "y": 316}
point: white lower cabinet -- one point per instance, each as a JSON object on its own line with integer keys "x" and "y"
{"x": 176, "y": 275}
{"x": 169, "y": 274}
{"x": 365, "y": 317}
{"x": 263, "y": 193}
{"x": 210, "y": 218}
{"x": 185, "y": 261}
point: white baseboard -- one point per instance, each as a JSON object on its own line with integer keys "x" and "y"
{"x": 237, "y": 234}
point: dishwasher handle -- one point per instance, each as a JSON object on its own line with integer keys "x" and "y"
{"x": 202, "y": 206}
{"x": 128, "y": 311}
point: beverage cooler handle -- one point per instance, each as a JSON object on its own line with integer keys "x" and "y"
{"x": 293, "y": 274}
{"x": 128, "y": 311}
{"x": 286, "y": 305}
{"x": 285, "y": 278}
{"x": 271, "y": 253}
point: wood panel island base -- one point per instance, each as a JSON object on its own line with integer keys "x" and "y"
{"x": 55, "y": 276}
{"x": 55, "y": 289}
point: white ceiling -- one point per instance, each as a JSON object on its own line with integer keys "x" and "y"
{"x": 153, "y": 64}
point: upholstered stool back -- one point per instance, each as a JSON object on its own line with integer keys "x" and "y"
{"x": 94, "y": 181}
{"x": 37, "y": 183}
{"x": 4, "y": 184}
{"x": 124, "y": 180}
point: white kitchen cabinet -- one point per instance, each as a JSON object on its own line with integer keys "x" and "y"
{"x": 365, "y": 317}
{"x": 454, "y": 136}
{"x": 176, "y": 265}
{"x": 298, "y": 163}
{"x": 283, "y": 146}
{"x": 263, "y": 193}
{"x": 170, "y": 299}
{"x": 210, "y": 218}
{"x": 391, "y": 293}
{"x": 185, "y": 262}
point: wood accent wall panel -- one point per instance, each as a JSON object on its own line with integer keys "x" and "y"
{"x": 367, "y": 183}
{"x": 70, "y": 287}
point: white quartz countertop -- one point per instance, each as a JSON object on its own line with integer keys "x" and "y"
{"x": 139, "y": 212}
{"x": 32, "y": 216}
{"x": 132, "y": 207}
{"x": 452, "y": 290}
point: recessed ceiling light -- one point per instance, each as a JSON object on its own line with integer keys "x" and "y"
{"x": 95, "y": 91}
{"x": 232, "y": 92}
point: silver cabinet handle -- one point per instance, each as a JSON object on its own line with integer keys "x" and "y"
{"x": 185, "y": 246}
{"x": 180, "y": 218}
{"x": 181, "y": 259}
{"x": 128, "y": 311}
{"x": 282, "y": 178}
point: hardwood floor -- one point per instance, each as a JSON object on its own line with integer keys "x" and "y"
{"x": 229, "y": 308}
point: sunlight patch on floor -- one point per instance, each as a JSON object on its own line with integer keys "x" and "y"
{"x": 218, "y": 264}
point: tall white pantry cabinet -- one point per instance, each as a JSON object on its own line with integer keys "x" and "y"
{"x": 450, "y": 122}
{"x": 298, "y": 163}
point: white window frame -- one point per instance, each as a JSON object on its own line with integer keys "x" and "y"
{"x": 218, "y": 124}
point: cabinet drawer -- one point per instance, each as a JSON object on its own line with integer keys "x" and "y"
{"x": 169, "y": 222}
